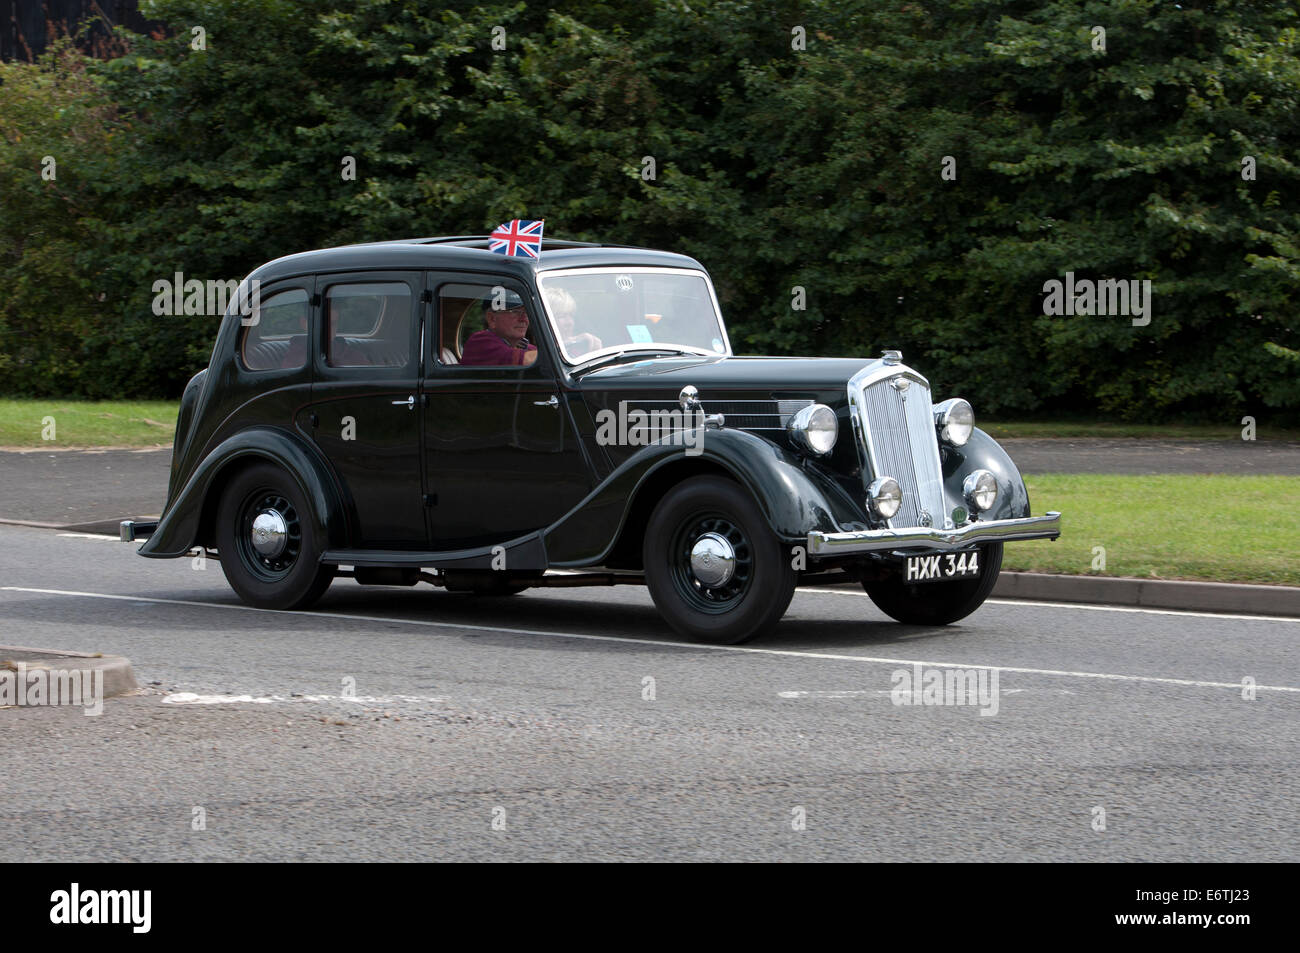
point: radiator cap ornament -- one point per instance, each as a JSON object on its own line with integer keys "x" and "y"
{"x": 892, "y": 357}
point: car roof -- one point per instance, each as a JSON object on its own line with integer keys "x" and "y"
{"x": 464, "y": 253}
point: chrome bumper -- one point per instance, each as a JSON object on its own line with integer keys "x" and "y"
{"x": 875, "y": 540}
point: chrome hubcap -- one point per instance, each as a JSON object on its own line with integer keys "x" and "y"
{"x": 270, "y": 534}
{"x": 713, "y": 560}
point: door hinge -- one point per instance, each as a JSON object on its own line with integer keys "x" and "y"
{"x": 426, "y": 296}
{"x": 431, "y": 499}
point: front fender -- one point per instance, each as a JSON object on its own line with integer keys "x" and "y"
{"x": 794, "y": 498}
{"x": 178, "y": 528}
{"x": 983, "y": 452}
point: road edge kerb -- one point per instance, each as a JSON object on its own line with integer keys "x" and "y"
{"x": 1230, "y": 598}
{"x": 119, "y": 677}
{"x": 1227, "y": 597}
{"x": 100, "y": 527}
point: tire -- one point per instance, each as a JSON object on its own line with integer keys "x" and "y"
{"x": 937, "y": 603}
{"x": 747, "y": 605}
{"x": 293, "y": 578}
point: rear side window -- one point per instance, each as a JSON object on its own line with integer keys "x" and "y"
{"x": 276, "y": 335}
{"x": 369, "y": 325}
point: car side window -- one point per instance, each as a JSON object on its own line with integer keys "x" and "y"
{"x": 275, "y": 336}
{"x": 483, "y": 325}
{"x": 368, "y": 324}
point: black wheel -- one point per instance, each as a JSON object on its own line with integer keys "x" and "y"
{"x": 268, "y": 548}
{"x": 714, "y": 569}
{"x": 937, "y": 603}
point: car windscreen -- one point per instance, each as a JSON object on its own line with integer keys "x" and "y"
{"x": 604, "y": 310}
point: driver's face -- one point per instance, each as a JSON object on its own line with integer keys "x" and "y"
{"x": 510, "y": 323}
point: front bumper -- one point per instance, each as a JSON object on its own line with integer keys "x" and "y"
{"x": 876, "y": 540}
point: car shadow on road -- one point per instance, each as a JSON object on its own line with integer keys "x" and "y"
{"x": 563, "y": 614}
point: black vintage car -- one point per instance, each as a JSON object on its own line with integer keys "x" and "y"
{"x": 425, "y": 410}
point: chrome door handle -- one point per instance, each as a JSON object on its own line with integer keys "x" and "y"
{"x": 553, "y": 402}
{"x": 409, "y": 403}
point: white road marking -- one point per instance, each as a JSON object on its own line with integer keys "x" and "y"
{"x": 685, "y": 646}
{"x": 1230, "y": 616}
{"x": 364, "y": 699}
{"x": 890, "y": 691}
{"x": 90, "y": 536}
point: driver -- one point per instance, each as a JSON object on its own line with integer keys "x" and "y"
{"x": 503, "y": 341}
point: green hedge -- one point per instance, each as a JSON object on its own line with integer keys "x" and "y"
{"x": 818, "y": 168}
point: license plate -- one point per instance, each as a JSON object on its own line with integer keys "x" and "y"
{"x": 942, "y": 566}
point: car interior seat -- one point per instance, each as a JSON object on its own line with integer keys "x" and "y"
{"x": 453, "y": 317}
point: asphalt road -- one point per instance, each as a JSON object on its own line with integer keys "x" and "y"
{"x": 530, "y": 710}
{"x": 74, "y": 487}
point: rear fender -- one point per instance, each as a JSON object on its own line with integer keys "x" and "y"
{"x": 178, "y": 530}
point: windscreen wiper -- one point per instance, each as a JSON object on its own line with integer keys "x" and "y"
{"x": 629, "y": 352}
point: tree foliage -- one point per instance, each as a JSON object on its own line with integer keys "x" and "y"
{"x": 58, "y": 138}
{"x": 777, "y": 166}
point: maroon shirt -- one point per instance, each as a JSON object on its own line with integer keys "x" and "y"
{"x": 489, "y": 348}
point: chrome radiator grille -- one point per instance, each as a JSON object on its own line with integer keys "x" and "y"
{"x": 897, "y": 425}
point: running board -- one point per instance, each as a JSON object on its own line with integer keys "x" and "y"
{"x": 525, "y": 554}
{"x": 564, "y": 580}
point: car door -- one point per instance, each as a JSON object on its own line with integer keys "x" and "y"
{"x": 365, "y": 401}
{"x": 502, "y": 456}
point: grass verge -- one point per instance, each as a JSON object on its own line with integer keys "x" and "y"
{"x": 1001, "y": 430}
{"x": 79, "y": 423}
{"x": 1220, "y": 528}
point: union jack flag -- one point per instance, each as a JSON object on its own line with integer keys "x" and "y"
{"x": 518, "y": 238}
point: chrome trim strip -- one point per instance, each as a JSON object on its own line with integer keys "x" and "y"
{"x": 785, "y": 409}
{"x": 878, "y": 370}
{"x": 876, "y": 540}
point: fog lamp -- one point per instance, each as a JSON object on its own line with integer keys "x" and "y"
{"x": 884, "y": 497}
{"x": 980, "y": 490}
